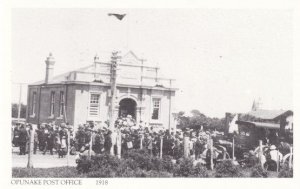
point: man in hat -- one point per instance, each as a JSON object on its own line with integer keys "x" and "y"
{"x": 275, "y": 154}
{"x": 23, "y": 137}
{"x": 80, "y": 137}
{"x": 49, "y": 134}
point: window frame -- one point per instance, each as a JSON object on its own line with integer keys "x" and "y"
{"x": 159, "y": 99}
{"x": 97, "y": 116}
{"x": 52, "y": 103}
{"x": 61, "y": 104}
{"x": 33, "y": 104}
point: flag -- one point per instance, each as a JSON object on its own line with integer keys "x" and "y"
{"x": 233, "y": 127}
{"x": 118, "y": 16}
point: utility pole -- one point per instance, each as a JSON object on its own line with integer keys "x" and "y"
{"x": 19, "y": 107}
{"x": 114, "y": 63}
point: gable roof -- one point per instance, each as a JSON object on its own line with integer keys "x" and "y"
{"x": 268, "y": 114}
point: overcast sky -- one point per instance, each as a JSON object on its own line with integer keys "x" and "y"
{"x": 222, "y": 59}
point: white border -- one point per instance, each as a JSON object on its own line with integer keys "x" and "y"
{"x": 5, "y": 79}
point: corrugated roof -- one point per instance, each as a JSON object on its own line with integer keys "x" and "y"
{"x": 260, "y": 124}
{"x": 267, "y": 114}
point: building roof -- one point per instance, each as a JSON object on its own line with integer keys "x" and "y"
{"x": 259, "y": 124}
{"x": 268, "y": 114}
{"x": 131, "y": 71}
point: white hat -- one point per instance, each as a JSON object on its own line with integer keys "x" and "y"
{"x": 273, "y": 147}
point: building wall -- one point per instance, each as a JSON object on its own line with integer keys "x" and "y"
{"x": 143, "y": 98}
{"x": 42, "y": 107}
{"x": 77, "y": 100}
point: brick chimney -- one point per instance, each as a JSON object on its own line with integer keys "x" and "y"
{"x": 96, "y": 62}
{"x": 50, "y": 61}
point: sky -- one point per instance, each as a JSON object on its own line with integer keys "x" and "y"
{"x": 222, "y": 59}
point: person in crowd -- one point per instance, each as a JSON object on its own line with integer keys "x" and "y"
{"x": 16, "y": 135}
{"x": 23, "y": 137}
{"x": 108, "y": 142}
{"x": 50, "y": 136}
{"x": 273, "y": 157}
{"x": 283, "y": 146}
{"x": 42, "y": 137}
{"x": 35, "y": 141}
{"x": 99, "y": 142}
{"x": 80, "y": 137}
{"x": 198, "y": 148}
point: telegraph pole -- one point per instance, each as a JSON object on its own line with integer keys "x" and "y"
{"x": 19, "y": 107}
{"x": 114, "y": 63}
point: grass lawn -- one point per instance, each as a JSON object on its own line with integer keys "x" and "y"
{"x": 56, "y": 172}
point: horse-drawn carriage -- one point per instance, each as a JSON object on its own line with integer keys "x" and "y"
{"x": 246, "y": 141}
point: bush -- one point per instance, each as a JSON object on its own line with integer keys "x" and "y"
{"x": 184, "y": 168}
{"x": 167, "y": 163}
{"x": 286, "y": 172}
{"x": 141, "y": 157}
{"x": 200, "y": 171}
{"x": 227, "y": 169}
{"x": 251, "y": 161}
{"x": 257, "y": 172}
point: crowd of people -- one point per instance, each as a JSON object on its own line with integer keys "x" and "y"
{"x": 51, "y": 138}
{"x": 91, "y": 138}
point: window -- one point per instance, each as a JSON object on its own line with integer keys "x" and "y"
{"x": 33, "y": 105}
{"x": 52, "y": 104}
{"x": 94, "y": 105}
{"x": 61, "y": 103}
{"x": 155, "y": 108}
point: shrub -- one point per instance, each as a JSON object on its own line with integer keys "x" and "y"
{"x": 286, "y": 172}
{"x": 257, "y": 172}
{"x": 104, "y": 172}
{"x": 141, "y": 157}
{"x": 251, "y": 161}
{"x": 227, "y": 169}
{"x": 167, "y": 163}
{"x": 200, "y": 171}
{"x": 184, "y": 168}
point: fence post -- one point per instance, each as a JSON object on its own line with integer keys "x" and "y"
{"x": 91, "y": 144}
{"x": 233, "y": 158}
{"x": 261, "y": 154}
{"x": 211, "y": 154}
{"x": 186, "y": 146}
{"x": 161, "y": 146}
{"x": 277, "y": 162}
{"x": 291, "y": 158}
{"x": 30, "y": 152}
{"x": 68, "y": 147}
{"x": 119, "y": 145}
{"x": 141, "y": 142}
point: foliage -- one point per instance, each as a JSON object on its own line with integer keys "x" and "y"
{"x": 184, "y": 167}
{"x": 227, "y": 169}
{"x": 286, "y": 172}
{"x": 15, "y": 108}
{"x": 257, "y": 171}
{"x": 197, "y": 119}
{"x": 200, "y": 171}
{"x": 56, "y": 172}
{"x": 251, "y": 161}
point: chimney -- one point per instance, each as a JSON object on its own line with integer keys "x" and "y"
{"x": 50, "y": 61}
{"x": 96, "y": 61}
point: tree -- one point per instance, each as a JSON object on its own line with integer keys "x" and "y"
{"x": 14, "y": 110}
{"x": 198, "y": 119}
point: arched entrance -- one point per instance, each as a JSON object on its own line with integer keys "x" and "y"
{"x": 127, "y": 107}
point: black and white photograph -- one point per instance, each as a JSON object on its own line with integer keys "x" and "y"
{"x": 151, "y": 93}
